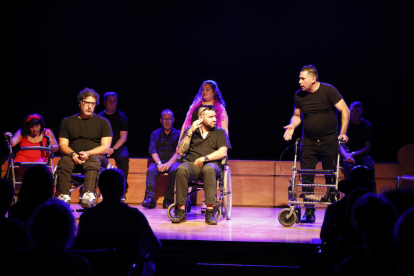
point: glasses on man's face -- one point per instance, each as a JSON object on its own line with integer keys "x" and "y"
{"x": 89, "y": 103}
{"x": 167, "y": 119}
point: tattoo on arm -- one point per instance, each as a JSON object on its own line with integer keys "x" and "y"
{"x": 184, "y": 144}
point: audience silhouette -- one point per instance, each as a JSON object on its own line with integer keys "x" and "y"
{"x": 37, "y": 187}
{"x": 113, "y": 224}
{"x": 52, "y": 230}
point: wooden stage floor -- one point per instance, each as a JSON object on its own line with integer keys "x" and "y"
{"x": 248, "y": 224}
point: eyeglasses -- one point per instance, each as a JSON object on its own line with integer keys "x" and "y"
{"x": 89, "y": 103}
{"x": 207, "y": 107}
{"x": 167, "y": 120}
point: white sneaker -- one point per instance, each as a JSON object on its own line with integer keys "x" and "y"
{"x": 65, "y": 198}
{"x": 88, "y": 200}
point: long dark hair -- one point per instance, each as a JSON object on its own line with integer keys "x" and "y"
{"x": 32, "y": 120}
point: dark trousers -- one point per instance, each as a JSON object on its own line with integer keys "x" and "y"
{"x": 364, "y": 160}
{"x": 311, "y": 153}
{"x": 121, "y": 157}
{"x": 152, "y": 175}
{"x": 91, "y": 169}
{"x": 188, "y": 172}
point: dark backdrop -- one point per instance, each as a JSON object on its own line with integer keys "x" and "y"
{"x": 156, "y": 54}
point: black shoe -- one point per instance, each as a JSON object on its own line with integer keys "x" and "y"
{"x": 166, "y": 204}
{"x": 210, "y": 217}
{"x": 308, "y": 216}
{"x": 179, "y": 216}
{"x": 149, "y": 202}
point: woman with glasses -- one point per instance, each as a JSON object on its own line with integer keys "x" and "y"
{"x": 33, "y": 133}
{"x": 208, "y": 94}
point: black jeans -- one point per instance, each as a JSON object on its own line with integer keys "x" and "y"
{"x": 364, "y": 160}
{"x": 121, "y": 157}
{"x": 311, "y": 153}
{"x": 152, "y": 175}
{"x": 91, "y": 168}
{"x": 188, "y": 172}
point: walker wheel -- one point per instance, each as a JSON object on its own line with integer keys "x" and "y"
{"x": 287, "y": 221}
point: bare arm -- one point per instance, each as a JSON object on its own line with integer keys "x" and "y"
{"x": 102, "y": 149}
{"x": 17, "y": 137}
{"x": 186, "y": 140}
{"x": 66, "y": 150}
{"x": 122, "y": 139}
{"x": 53, "y": 143}
{"x": 343, "y": 108}
{"x": 225, "y": 123}
{"x": 216, "y": 155}
{"x": 294, "y": 122}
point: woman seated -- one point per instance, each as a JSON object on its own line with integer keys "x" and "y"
{"x": 209, "y": 94}
{"x": 33, "y": 134}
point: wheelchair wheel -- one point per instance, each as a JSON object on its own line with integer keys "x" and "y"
{"x": 287, "y": 221}
{"x": 227, "y": 194}
{"x": 171, "y": 210}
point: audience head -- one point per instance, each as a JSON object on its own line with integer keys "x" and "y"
{"x": 403, "y": 199}
{"x": 6, "y": 196}
{"x": 87, "y": 92}
{"x": 37, "y": 185}
{"x": 52, "y": 226}
{"x": 208, "y": 91}
{"x": 167, "y": 119}
{"x": 112, "y": 184}
{"x": 374, "y": 219}
{"x": 403, "y": 234}
{"x": 33, "y": 125}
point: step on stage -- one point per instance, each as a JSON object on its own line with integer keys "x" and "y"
{"x": 253, "y": 241}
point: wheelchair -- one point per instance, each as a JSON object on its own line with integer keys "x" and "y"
{"x": 223, "y": 194}
{"x": 12, "y": 166}
{"x": 323, "y": 194}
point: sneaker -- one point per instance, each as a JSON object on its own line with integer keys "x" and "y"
{"x": 210, "y": 217}
{"x": 65, "y": 198}
{"x": 149, "y": 202}
{"x": 88, "y": 200}
{"x": 308, "y": 216}
{"x": 179, "y": 216}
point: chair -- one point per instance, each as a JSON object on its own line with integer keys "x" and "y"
{"x": 12, "y": 166}
{"x": 406, "y": 159}
{"x": 223, "y": 194}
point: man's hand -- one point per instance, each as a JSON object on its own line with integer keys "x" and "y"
{"x": 289, "y": 132}
{"x": 110, "y": 152}
{"x": 83, "y": 155}
{"x": 76, "y": 159}
{"x": 161, "y": 168}
{"x": 196, "y": 124}
{"x": 350, "y": 159}
{"x": 167, "y": 166}
{"x": 199, "y": 162}
{"x": 344, "y": 138}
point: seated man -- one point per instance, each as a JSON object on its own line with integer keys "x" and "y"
{"x": 360, "y": 136}
{"x": 205, "y": 145}
{"x": 113, "y": 224}
{"x": 163, "y": 144}
{"x": 84, "y": 140}
{"x": 119, "y": 123}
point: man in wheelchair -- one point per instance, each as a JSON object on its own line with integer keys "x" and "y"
{"x": 84, "y": 140}
{"x": 205, "y": 145}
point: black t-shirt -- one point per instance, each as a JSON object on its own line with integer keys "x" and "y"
{"x": 119, "y": 122}
{"x": 215, "y": 139}
{"x": 358, "y": 134}
{"x": 84, "y": 134}
{"x": 318, "y": 112}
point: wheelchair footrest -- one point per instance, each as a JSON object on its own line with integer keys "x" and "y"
{"x": 313, "y": 172}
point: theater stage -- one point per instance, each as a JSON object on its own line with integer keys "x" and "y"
{"x": 248, "y": 224}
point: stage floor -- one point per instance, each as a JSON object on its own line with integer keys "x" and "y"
{"x": 248, "y": 224}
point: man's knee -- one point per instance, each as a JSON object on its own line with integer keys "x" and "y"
{"x": 182, "y": 171}
{"x": 92, "y": 164}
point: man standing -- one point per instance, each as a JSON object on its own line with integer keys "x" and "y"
{"x": 360, "y": 135}
{"x": 316, "y": 104}
{"x": 120, "y": 125}
{"x": 205, "y": 145}
{"x": 162, "y": 148}
{"x": 84, "y": 141}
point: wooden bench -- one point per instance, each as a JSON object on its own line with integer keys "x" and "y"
{"x": 255, "y": 183}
